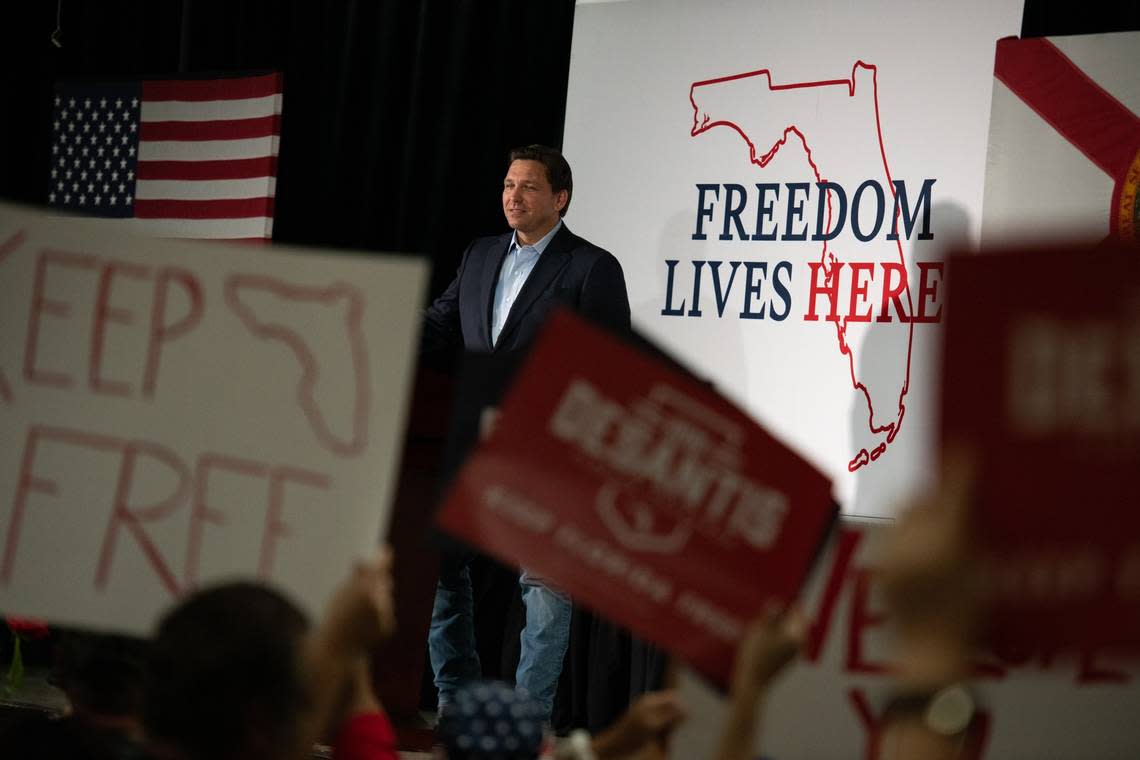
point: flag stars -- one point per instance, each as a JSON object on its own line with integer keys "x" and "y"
{"x": 98, "y": 200}
{"x": 134, "y": 102}
{"x": 83, "y": 200}
{"x": 71, "y": 102}
{"x": 51, "y": 197}
{"x": 133, "y": 126}
{"x": 102, "y": 102}
{"x": 130, "y": 175}
{"x": 114, "y": 200}
{"x": 87, "y": 103}
{"x": 83, "y": 176}
{"x": 58, "y": 100}
{"x": 118, "y": 103}
{"x": 67, "y": 198}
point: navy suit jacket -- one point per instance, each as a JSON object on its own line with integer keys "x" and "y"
{"x": 571, "y": 271}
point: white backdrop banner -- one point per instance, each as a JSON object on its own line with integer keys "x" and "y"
{"x": 177, "y": 413}
{"x": 780, "y": 182}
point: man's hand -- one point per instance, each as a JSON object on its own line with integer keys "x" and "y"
{"x": 931, "y": 581}
{"x": 769, "y": 644}
{"x": 360, "y": 615}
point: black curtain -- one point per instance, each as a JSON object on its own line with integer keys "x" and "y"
{"x": 397, "y": 115}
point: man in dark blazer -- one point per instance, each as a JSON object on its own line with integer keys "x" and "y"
{"x": 504, "y": 289}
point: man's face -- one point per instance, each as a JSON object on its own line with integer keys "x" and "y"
{"x": 529, "y": 202}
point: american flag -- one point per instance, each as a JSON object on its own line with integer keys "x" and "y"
{"x": 179, "y": 158}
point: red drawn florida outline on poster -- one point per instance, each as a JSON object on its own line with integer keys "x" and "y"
{"x": 272, "y": 329}
{"x": 888, "y": 422}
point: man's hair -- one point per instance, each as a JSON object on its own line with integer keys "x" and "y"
{"x": 224, "y": 673}
{"x": 557, "y": 169}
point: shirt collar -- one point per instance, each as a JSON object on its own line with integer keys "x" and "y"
{"x": 540, "y": 246}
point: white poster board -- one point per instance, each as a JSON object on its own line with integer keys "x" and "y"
{"x": 699, "y": 133}
{"x": 179, "y": 413}
{"x": 829, "y": 704}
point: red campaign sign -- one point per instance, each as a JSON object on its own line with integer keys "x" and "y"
{"x": 643, "y": 494}
{"x": 1042, "y": 381}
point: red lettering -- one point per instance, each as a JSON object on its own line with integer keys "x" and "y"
{"x": 160, "y": 330}
{"x": 859, "y": 290}
{"x": 862, "y": 618}
{"x": 892, "y": 292}
{"x": 134, "y": 517}
{"x": 869, "y": 721}
{"x": 845, "y": 546}
{"x": 27, "y": 482}
{"x": 831, "y": 275}
{"x": 202, "y": 512}
{"x": 928, "y": 290}
{"x": 985, "y": 665}
{"x": 104, "y": 313}
{"x": 41, "y": 304}
{"x": 275, "y": 528}
{"x": 6, "y": 248}
{"x": 1090, "y": 672}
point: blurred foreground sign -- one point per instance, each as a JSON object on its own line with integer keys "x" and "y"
{"x": 642, "y": 494}
{"x": 176, "y": 413}
{"x": 1042, "y": 381}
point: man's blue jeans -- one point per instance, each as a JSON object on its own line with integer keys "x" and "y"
{"x": 451, "y": 639}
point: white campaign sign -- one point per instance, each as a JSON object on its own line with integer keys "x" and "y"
{"x": 178, "y": 413}
{"x": 780, "y": 182}
{"x": 830, "y": 703}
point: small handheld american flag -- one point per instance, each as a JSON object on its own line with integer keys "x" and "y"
{"x": 193, "y": 158}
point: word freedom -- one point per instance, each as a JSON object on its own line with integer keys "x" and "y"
{"x": 831, "y": 213}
